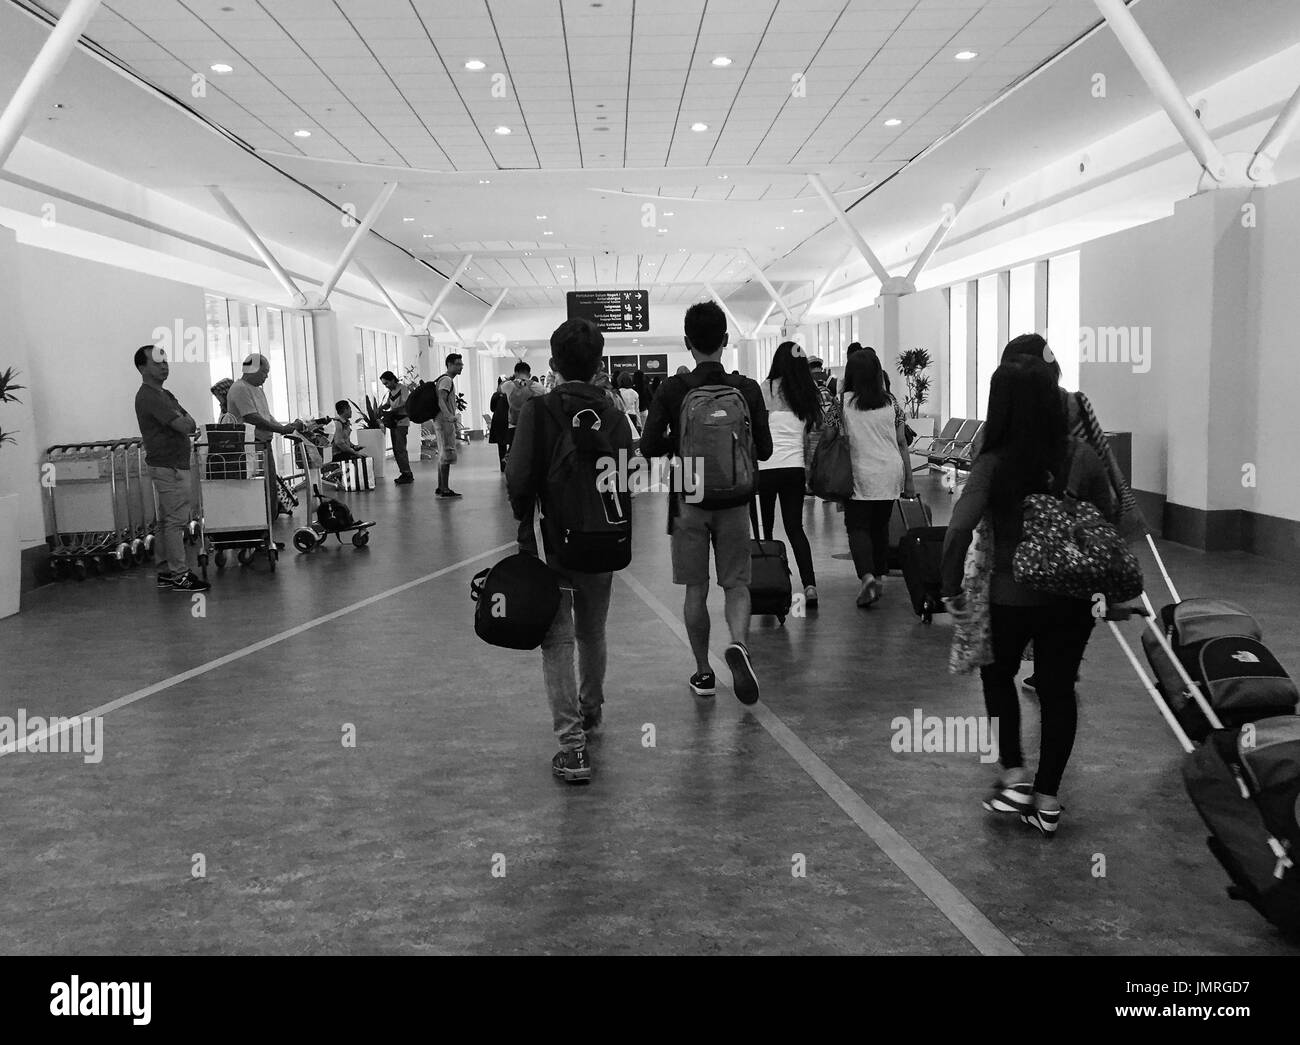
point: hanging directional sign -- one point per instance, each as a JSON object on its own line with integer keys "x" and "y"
{"x": 613, "y": 311}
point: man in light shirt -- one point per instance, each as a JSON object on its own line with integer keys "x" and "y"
{"x": 246, "y": 402}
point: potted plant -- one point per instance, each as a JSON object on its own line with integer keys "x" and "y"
{"x": 10, "y": 552}
{"x": 370, "y": 434}
{"x": 913, "y": 365}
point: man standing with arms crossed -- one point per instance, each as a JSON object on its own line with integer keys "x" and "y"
{"x": 445, "y": 424}
{"x": 165, "y": 429}
{"x": 718, "y": 522}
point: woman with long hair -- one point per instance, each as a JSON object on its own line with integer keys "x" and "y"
{"x": 629, "y": 402}
{"x": 874, "y": 426}
{"x": 1027, "y": 450}
{"x": 499, "y": 427}
{"x": 794, "y": 411}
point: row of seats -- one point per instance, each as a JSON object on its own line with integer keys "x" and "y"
{"x": 953, "y": 447}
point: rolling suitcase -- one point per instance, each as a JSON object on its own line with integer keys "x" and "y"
{"x": 920, "y": 556}
{"x": 770, "y": 589}
{"x": 1219, "y": 645}
{"x": 1245, "y": 784}
{"x": 910, "y": 513}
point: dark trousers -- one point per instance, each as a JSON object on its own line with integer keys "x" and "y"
{"x": 503, "y": 448}
{"x": 400, "y": 456}
{"x": 786, "y": 485}
{"x": 868, "y": 525}
{"x": 1060, "y": 634}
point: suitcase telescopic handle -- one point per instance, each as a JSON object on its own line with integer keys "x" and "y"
{"x": 1161, "y": 706}
{"x": 1193, "y": 690}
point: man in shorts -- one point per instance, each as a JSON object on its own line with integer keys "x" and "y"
{"x": 723, "y": 528}
{"x": 445, "y": 424}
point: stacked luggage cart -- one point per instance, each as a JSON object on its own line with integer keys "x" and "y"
{"x": 236, "y": 496}
{"x": 100, "y": 510}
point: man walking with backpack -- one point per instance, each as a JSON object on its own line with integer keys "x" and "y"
{"x": 716, "y": 423}
{"x": 565, "y": 447}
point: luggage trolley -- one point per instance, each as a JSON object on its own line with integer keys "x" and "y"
{"x": 87, "y": 510}
{"x": 236, "y": 495}
{"x": 319, "y": 524}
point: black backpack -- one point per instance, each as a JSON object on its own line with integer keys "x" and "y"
{"x": 517, "y": 599}
{"x": 589, "y": 525}
{"x": 333, "y": 515}
{"x": 422, "y": 404}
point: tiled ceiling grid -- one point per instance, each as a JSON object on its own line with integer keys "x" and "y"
{"x": 589, "y": 84}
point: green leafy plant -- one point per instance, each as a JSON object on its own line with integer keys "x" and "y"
{"x": 7, "y": 390}
{"x": 912, "y": 364}
{"x": 369, "y": 416}
{"x": 411, "y": 376}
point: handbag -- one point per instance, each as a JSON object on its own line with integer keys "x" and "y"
{"x": 831, "y": 474}
{"x": 1069, "y": 549}
{"x": 972, "y": 640}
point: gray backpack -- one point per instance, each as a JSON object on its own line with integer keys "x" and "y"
{"x": 717, "y": 445}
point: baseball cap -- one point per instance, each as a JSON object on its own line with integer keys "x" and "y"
{"x": 815, "y": 362}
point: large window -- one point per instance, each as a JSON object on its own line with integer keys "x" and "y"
{"x": 1021, "y": 290}
{"x": 987, "y": 350}
{"x": 236, "y": 329}
{"x": 377, "y": 351}
{"x": 958, "y": 312}
{"x": 1063, "y": 316}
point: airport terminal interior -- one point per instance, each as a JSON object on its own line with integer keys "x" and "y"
{"x": 295, "y": 740}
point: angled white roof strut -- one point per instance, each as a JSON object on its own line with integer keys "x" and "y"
{"x": 298, "y": 298}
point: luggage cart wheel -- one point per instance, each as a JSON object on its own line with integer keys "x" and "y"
{"x": 203, "y": 563}
{"x": 56, "y": 567}
{"x": 360, "y": 540}
{"x": 137, "y": 550}
{"x": 245, "y": 556}
{"x": 79, "y": 569}
{"x": 304, "y": 538}
{"x": 123, "y": 556}
{"x": 220, "y": 558}
{"x": 148, "y": 545}
{"x": 95, "y": 565}
{"x": 273, "y": 554}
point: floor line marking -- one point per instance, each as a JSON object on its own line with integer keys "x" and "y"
{"x": 968, "y": 919}
{"x": 247, "y": 651}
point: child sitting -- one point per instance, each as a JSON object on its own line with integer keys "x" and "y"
{"x": 343, "y": 446}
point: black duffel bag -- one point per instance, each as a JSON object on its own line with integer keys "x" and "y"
{"x": 517, "y": 599}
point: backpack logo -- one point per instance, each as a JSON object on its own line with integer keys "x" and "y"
{"x": 718, "y": 413}
{"x": 1245, "y": 656}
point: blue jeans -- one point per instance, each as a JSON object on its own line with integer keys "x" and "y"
{"x": 580, "y": 622}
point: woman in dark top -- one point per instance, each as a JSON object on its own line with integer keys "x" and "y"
{"x": 1026, "y": 450}
{"x": 499, "y": 430}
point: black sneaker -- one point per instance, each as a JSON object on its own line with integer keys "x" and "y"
{"x": 743, "y": 679}
{"x": 704, "y": 684}
{"x": 166, "y": 578}
{"x": 403, "y": 480}
{"x": 591, "y": 720}
{"x": 187, "y": 581}
{"x": 449, "y": 492}
{"x": 573, "y": 765}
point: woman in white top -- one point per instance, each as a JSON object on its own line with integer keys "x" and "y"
{"x": 630, "y": 401}
{"x": 875, "y": 429}
{"x": 794, "y": 410}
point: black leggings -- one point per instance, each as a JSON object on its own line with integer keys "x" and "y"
{"x": 787, "y": 485}
{"x": 1060, "y": 633}
{"x": 868, "y": 526}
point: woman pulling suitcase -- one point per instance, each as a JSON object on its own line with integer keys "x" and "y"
{"x": 1027, "y": 450}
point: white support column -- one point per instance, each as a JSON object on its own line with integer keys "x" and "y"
{"x": 889, "y": 328}
{"x": 1041, "y": 276}
{"x": 490, "y": 313}
{"x": 851, "y": 230}
{"x": 1261, "y": 165}
{"x": 360, "y": 233}
{"x": 820, "y": 291}
{"x": 446, "y": 289}
{"x": 767, "y": 283}
{"x": 392, "y": 305}
{"x": 44, "y": 68}
{"x": 949, "y": 218}
{"x": 735, "y": 323}
{"x": 1163, "y": 86}
{"x": 298, "y": 298}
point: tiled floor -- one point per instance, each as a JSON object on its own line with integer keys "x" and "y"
{"x": 687, "y": 846}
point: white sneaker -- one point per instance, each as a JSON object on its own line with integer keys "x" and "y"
{"x": 810, "y": 595}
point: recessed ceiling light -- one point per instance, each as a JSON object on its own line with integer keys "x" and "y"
{"x": 722, "y": 61}
{"x": 780, "y": 228}
{"x": 697, "y": 127}
{"x": 485, "y": 181}
{"x": 503, "y": 129}
{"x": 723, "y": 177}
{"x": 966, "y": 56}
{"x": 797, "y": 210}
{"x": 222, "y": 67}
{"x": 408, "y": 219}
{"x": 541, "y": 217}
{"x": 474, "y": 65}
{"x": 428, "y": 235}
{"x": 893, "y": 122}
{"x": 668, "y": 214}
{"x": 302, "y": 134}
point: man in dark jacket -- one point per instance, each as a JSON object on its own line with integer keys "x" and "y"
{"x": 576, "y": 701}
{"x": 694, "y": 528}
